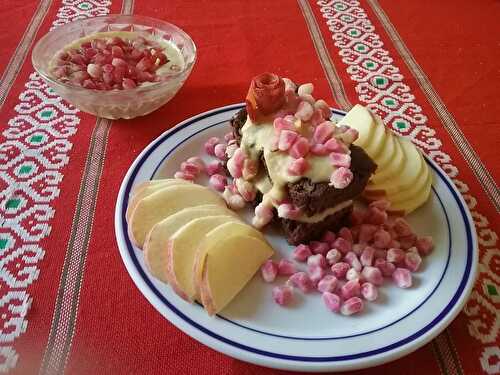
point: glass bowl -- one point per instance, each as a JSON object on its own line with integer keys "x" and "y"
{"x": 115, "y": 104}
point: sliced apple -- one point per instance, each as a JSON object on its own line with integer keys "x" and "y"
{"x": 155, "y": 245}
{"x": 228, "y": 266}
{"x": 405, "y": 207}
{"x": 181, "y": 249}
{"x": 217, "y": 235}
{"x": 165, "y": 202}
{"x": 147, "y": 188}
{"x": 411, "y": 172}
{"x": 361, "y": 119}
{"x": 391, "y": 162}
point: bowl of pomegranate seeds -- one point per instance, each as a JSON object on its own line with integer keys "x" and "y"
{"x": 115, "y": 66}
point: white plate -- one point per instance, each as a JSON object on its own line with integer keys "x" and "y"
{"x": 307, "y": 337}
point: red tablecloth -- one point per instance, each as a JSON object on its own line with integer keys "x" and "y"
{"x": 430, "y": 68}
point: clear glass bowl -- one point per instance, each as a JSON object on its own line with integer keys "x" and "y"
{"x": 115, "y": 104}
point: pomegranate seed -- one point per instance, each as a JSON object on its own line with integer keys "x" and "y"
{"x": 328, "y": 237}
{"x": 352, "y": 274}
{"x": 387, "y": 268}
{"x": 381, "y": 204}
{"x": 269, "y": 271}
{"x": 302, "y": 281}
{"x": 118, "y": 74}
{"x": 395, "y": 255}
{"x": 317, "y": 260}
{"x": 367, "y": 256}
{"x": 218, "y": 182}
{"x": 340, "y": 269}
{"x": 323, "y": 132}
{"x": 372, "y": 275}
{"x": 118, "y": 62}
{"x": 319, "y": 149}
{"x": 288, "y": 211}
{"x": 210, "y": 144}
{"x": 94, "y": 70}
{"x": 107, "y": 77}
{"x": 89, "y": 84}
{"x": 116, "y": 51}
{"x": 327, "y": 284}
{"x": 380, "y": 254}
{"x": 342, "y": 245}
{"x": 353, "y": 305}
{"x": 89, "y": 53}
{"x": 407, "y": 241}
{"x": 283, "y": 295}
{"x": 160, "y": 58}
{"x": 316, "y": 274}
{"x": 350, "y": 289}
{"x": 424, "y": 245}
{"x": 358, "y": 248}
{"x": 144, "y": 64}
{"x": 286, "y": 268}
{"x": 381, "y": 239}
{"x": 318, "y": 247}
{"x": 196, "y": 160}
{"x": 402, "y": 227}
{"x": 412, "y": 261}
{"x": 184, "y": 176}
{"x": 98, "y": 44}
{"x": 369, "y": 291}
{"x": 402, "y": 278}
{"x": 376, "y": 216}
{"x": 346, "y": 234}
{"x": 298, "y": 167}
{"x": 300, "y": 148}
{"x": 128, "y": 84}
{"x": 333, "y": 256}
{"x": 331, "y": 301}
{"x": 341, "y": 178}
{"x": 353, "y": 260}
{"x": 301, "y": 253}
{"x": 366, "y": 232}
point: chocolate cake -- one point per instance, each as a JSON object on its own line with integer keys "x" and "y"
{"x": 313, "y": 198}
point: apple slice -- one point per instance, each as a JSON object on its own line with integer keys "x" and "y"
{"x": 217, "y": 235}
{"x": 181, "y": 249}
{"x": 361, "y": 119}
{"x": 228, "y": 267}
{"x": 164, "y": 202}
{"x": 155, "y": 245}
{"x": 405, "y": 207}
{"x": 147, "y": 188}
{"x": 391, "y": 162}
{"x": 410, "y": 173}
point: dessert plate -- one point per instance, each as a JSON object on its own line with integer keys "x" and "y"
{"x": 307, "y": 336}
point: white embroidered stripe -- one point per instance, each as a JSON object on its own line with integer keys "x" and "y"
{"x": 35, "y": 147}
{"x": 381, "y": 87}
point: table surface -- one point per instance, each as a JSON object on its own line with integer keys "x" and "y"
{"x": 429, "y": 68}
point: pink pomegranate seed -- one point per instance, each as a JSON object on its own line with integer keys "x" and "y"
{"x": 342, "y": 245}
{"x": 79, "y": 77}
{"x": 323, "y": 107}
{"x": 190, "y": 168}
{"x": 357, "y": 216}
{"x": 317, "y": 117}
{"x": 331, "y": 301}
{"x": 352, "y": 274}
{"x": 145, "y": 77}
{"x": 128, "y": 84}
{"x": 89, "y": 53}
{"x": 327, "y": 284}
{"x": 301, "y": 253}
{"x": 98, "y": 43}
{"x": 298, "y": 167}
{"x": 300, "y": 148}
{"x": 424, "y": 245}
{"x": 236, "y": 202}
{"x": 333, "y": 256}
{"x": 380, "y": 254}
{"x": 61, "y": 71}
{"x": 304, "y": 111}
{"x": 234, "y": 170}
{"x": 246, "y": 189}
{"x": 288, "y": 211}
{"x": 366, "y": 232}
{"x": 263, "y": 215}
{"x": 395, "y": 255}
{"x": 198, "y": 162}
{"x": 316, "y": 274}
{"x": 381, "y": 239}
{"x": 340, "y": 160}
{"x": 340, "y": 269}
{"x": 407, "y": 241}
{"x": 358, "y": 248}
{"x": 412, "y": 261}
{"x": 239, "y": 157}
{"x": 214, "y": 167}
{"x": 286, "y": 140}
{"x": 281, "y": 124}
{"x": 387, "y": 268}
{"x": 367, "y": 256}
{"x": 395, "y": 244}
{"x": 78, "y": 59}
{"x": 89, "y": 84}
{"x": 250, "y": 169}
{"x": 118, "y": 62}
{"x": 318, "y": 149}
{"x": 341, "y": 178}
{"x": 107, "y": 78}
{"x": 372, "y": 275}
{"x": 283, "y": 295}
{"x": 412, "y": 249}
{"x": 116, "y": 51}
{"x": 269, "y": 271}
{"x": 145, "y": 64}
{"x": 184, "y": 176}
{"x": 318, "y": 247}
{"x": 220, "y": 151}
{"x": 369, "y": 291}
{"x": 231, "y": 149}
{"x": 350, "y": 289}
{"x": 328, "y": 237}
{"x": 286, "y": 268}
{"x": 402, "y": 227}
{"x": 402, "y": 278}
{"x": 353, "y": 260}
{"x": 376, "y": 216}
{"x": 218, "y": 182}
{"x": 210, "y": 144}
{"x": 381, "y": 204}
{"x": 317, "y": 260}
{"x": 352, "y": 306}
{"x": 118, "y": 74}
{"x": 302, "y": 281}
{"x": 346, "y": 234}
{"x": 323, "y": 132}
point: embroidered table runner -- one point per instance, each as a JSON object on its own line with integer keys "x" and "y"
{"x": 428, "y": 68}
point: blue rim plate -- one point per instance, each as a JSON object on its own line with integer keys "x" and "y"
{"x": 306, "y": 337}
